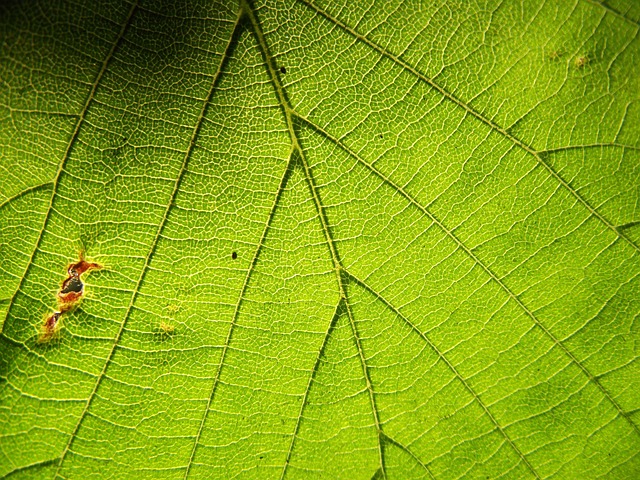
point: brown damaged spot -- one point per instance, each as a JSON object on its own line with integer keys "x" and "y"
{"x": 71, "y": 292}
{"x": 72, "y": 285}
{"x": 77, "y": 269}
{"x": 72, "y": 288}
{"x": 50, "y": 327}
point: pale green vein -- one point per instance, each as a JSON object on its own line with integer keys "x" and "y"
{"x": 334, "y": 320}
{"x": 236, "y": 312}
{"x": 67, "y": 153}
{"x": 449, "y": 365}
{"x": 628, "y": 225}
{"x": 25, "y": 192}
{"x": 614, "y": 12}
{"x": 40, "y": 356}
{"x": 589, "y": 146}
{"x": 247, "y": 278}
{"x": 297, "y": 149}
{"x": 476, "y": 260}
{"x": 408, "y": 451}
{"x": 31, "y": 466}
{"x": 490, "y": 123}
{"x": 43, "y": 112}
{"x": 152, "y": 249}
{"x": 367, "y": 378}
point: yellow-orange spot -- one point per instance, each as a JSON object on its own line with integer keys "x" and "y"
{"x": 580, "y": 62}
{"x": 167, "y": 328}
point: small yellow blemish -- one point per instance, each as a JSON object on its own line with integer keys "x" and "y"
{"x": 555, "y": 54}
{"x": 166, "y": 328}
{"x": 580, "y": 62}
{"x": 173, "y": 308}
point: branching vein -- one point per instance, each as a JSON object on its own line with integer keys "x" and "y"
{"x": 479, "y": 116}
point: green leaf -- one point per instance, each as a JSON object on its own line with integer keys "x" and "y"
{"x": 338, "y": 239}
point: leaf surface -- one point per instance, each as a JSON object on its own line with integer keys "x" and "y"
{"x": 339, "y": 240}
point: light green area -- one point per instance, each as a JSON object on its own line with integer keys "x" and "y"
{"x": 340, "y": 239}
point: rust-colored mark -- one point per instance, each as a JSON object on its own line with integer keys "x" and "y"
{"x": 50, "y": 327}
{"x": 82, "y": 266}
{"x": 72, "y": 288}
{"x": 71, "y": 292}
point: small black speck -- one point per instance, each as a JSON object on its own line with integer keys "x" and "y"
{"x": 234, "y": 255}
{"x": 380, "y": 135}
{"x": 283, "y": 70}
{"x": 261, "y": 458}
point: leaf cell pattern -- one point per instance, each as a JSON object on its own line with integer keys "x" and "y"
{"x": 336, "y": 244}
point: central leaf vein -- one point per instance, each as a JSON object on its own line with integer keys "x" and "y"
{"x": 299, "y": 156}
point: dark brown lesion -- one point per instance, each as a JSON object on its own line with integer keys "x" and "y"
{"x": 72, "y": 288}
{"x": 70, "y": 293}
{"x": 72, "y": 285}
